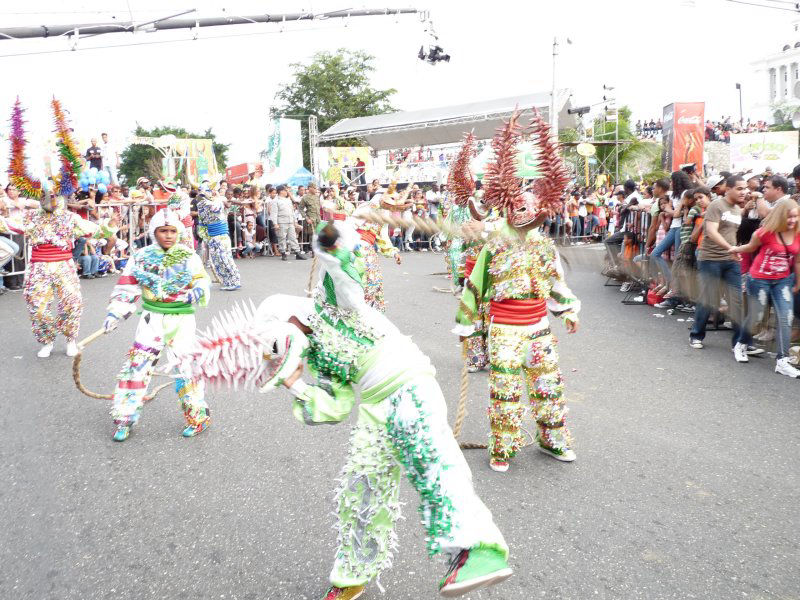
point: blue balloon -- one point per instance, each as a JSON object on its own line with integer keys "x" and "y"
{"x": 84, "y": 176}
{"x": 93, "y": 171}
{"x": 85, "y": 186}
{"x": 105, "y": 177}
{"x": 92, "y": 179}
{"x": 101, "y": 187}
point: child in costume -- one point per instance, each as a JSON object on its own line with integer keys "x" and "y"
{"x": 401, "y": 422}
{"x": 172, "y": 282}
{"x": 519, "y": 275}
{"x": 213, "y": 230}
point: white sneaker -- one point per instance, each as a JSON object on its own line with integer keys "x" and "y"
{"x": 696, "y": 344}
{"x": 784, "y": 367}
{"x": 765, "y": 336}
{"x": 755, "y": 351}
{"x": 740, "y": 353}
{"x": 625, "y": 286}
{"x": 72, "y": 348}
{"x": 45, "y": 351}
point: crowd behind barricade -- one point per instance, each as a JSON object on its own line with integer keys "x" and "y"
{"x": 263, "y": 220}
{"x": 720, "y": 131}
{"x": 723, "y": 252}
{"x": 648, "y": 129}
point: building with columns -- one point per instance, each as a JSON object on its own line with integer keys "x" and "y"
{"x": 779, "y": 76}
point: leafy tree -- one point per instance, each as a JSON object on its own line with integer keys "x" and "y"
{"x": 145, "y": 161}
{"x": 333, "y": 86}
{"x": 635, "y": 156}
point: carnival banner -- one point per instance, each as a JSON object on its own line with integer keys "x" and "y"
{"x": 337, "y": 163}
{"x": 757, "y": 151}
{"x": 284, "y": 152}
{"x": 683, "y": 135}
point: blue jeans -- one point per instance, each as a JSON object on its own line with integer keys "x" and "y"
{"x": 713, "y": 275}
{"x": 576, "y": 227}
{"x": 673, "y": 237}
{"x": 590, "y": 222}
{"x": 759, "y": 293}
{"x": 89, "y": 264}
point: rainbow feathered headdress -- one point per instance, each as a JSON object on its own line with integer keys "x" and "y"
{"x": 66, "y": 181}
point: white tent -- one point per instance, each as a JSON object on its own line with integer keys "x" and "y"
{"x": 446, "y": 125}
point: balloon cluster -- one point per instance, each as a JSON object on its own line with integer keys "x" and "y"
{"x": 94, "y": 176}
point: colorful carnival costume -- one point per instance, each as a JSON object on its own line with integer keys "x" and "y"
{"x": 213, "y": 230}
{"x": 50, "y": 231}
{"x": 172, "y": 283}
{"x": 401, "y": 423}
{"x": 52, "y": 274}
{"x": 519, "y": 275}
{"x": 376, "y": 241}
{"x": 181, "y": 204}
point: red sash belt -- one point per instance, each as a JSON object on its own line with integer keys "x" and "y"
{"x": 518, "y": 312}
{"x": 50, "y": 253}
{"x": 339, "y": 216}
{"x": 468, "y": 266}
{"x": 367, "y": 236}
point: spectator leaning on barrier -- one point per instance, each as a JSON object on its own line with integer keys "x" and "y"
{"x": 773, "y": 275}
{"x": 681, "y": 182}
{"x": 718, "y": 268}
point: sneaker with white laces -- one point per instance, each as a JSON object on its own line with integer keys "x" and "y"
{"x": 784, "y": 367}
{"x": 754, "y": 351}
{"x": 696, "y": 344}
{"x": 665, "y": 304}
{"x": 625, "y": 286}
{"x": 740, "y": 353}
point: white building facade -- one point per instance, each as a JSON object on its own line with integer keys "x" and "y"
{"x": 779, "y": 77}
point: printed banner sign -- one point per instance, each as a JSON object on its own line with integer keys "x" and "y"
{"x": 757, "y": 151}
{"x": 683, "y": 135}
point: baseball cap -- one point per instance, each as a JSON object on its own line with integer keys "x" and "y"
{"x": 714, "y": 181}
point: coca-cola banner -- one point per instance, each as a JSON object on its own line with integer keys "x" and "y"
{"x": 683, "y": 135}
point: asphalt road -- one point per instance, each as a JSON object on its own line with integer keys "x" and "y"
{"x": 686, "y": 483}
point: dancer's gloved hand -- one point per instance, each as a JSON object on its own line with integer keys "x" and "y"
{"x": 193, "y": 295}
{"x": 110, "y": 324}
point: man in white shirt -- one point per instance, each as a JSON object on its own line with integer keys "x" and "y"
{"x": 111, "y": 160}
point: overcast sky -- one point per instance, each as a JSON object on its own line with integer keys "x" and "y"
{"x": 653, "y": 51}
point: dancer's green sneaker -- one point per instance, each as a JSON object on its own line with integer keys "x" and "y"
{"x": 347, "y": 593}
{"x": 473, "y": 569}
{"x": 193, "y": 430}
{"x": 122, "y": 433}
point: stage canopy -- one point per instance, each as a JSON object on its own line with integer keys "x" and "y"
{"x": 444, "y": 125}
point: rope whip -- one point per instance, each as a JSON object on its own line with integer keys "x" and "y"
{"x": 76, "y": 371}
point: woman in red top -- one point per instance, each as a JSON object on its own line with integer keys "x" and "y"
{"x": 774, "y": 275}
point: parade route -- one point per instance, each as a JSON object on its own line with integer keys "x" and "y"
{"x": 686, "y": 483}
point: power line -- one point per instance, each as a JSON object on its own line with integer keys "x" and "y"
{"x": 795, "y": 10}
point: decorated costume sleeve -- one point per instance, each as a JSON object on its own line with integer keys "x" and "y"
{"x": 385, "y": 246}
{"x": 125, "y": 294}
{"x": 81, "y": 227}
{"x": 562, "y": 302}
{"x": 475, "y": 290}
{"x": 200, "y": 279}
{"x": 328, "y": 403}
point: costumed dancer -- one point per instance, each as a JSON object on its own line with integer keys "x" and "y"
{"x": 172, "y": 282}
{"x": 181, "y": 204}
{"x": 375, "y": 240}
{"x": 213, "y": 230}
{"x": 401, "y": 422}
{"x": 50, "y": 231}
{"x": 519, "y": 274}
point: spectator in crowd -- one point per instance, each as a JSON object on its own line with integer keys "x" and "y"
{"x": 681, "y": 183}
{"x": 773, "y": 276}
{"x": 434, "y": 199}
{"x": 111, "y": 160}
{"x": 250, "y": 244}
{"x": 718, "y": 267}
{"x": 310, "y": 208}
{"x": 285, "y": 225}
{"x": 94, "y": 155}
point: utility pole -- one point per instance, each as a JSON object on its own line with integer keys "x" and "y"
{"x": 741, "y": 114}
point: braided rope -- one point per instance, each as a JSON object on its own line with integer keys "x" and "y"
{"x": 310, "y": 286}
{"x": 461, "y": 413}
{"x": 76, "y": 372}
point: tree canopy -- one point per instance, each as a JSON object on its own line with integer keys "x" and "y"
{"x": 333, "y": 86}
{"x": 145, "y": 161}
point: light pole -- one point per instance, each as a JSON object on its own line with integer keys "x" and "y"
{"x": 553, "y": 108}
{"x": 741, "y": 115}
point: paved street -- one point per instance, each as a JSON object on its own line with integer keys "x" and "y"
{"x": 686, "y": 483}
